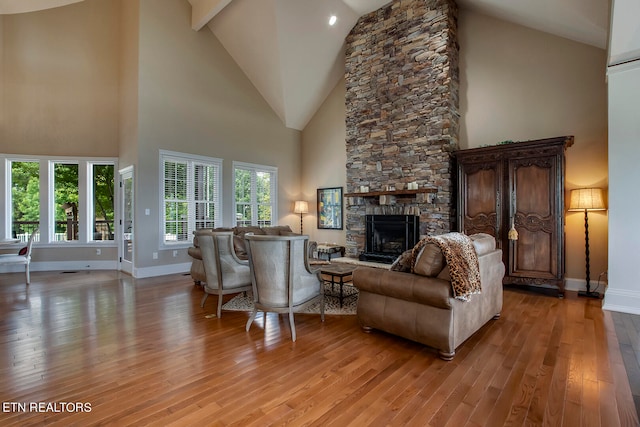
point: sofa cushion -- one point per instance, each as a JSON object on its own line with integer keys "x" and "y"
{"x": 403, "y": 262}
{"x": 404, "y": 286}
{"x": 278, "y": 230}
{"x": 241, "y": 231}
{"x": 239, "y": 247}
{"x": 429, "y": 261}
{"x": 195, "y": 234}
{"x": 238, "y": 238}
{"x": 444, "y": 274}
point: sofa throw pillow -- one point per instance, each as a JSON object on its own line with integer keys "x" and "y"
{"x": 277, "y": 230}
{"x": 239, "y": 248}
{"x": 241, "y": 231}
{"x": 429, "y": 261}
{"x": 22, "y": 251}
{"x": 403, "y": 262}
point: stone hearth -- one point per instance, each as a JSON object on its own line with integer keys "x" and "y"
{"x": 402, "y": 113}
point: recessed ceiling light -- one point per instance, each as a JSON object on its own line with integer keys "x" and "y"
{"x": 333, "y": 19}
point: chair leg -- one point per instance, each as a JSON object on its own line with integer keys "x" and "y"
{"x": 250, "y": 321}
{"x": 219, "y": 312}
{"x": 204, "y": 298}
{"x": 293, "y": 326}
{"x": 26, "y": 271}
{"x": 322, "y": 306}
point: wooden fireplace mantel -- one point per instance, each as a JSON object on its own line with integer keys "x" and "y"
{"x": 392, "y": 193}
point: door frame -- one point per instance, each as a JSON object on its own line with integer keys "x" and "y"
{"x": 124, "y": 264}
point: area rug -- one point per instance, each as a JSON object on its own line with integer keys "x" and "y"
{"x": 242, "y": 302}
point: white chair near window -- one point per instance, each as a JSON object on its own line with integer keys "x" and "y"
{"x": 23, "y": 257}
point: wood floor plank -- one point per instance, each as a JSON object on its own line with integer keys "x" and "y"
{"x": 143, "y": 352}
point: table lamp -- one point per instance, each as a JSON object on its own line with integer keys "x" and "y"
{"x": 587, "y": 199}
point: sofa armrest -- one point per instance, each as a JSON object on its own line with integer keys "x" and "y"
{"x": 195, "y": 253}
{"x": 406, "y": 286}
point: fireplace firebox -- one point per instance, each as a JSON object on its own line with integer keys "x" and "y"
{"x": 387, "y": 236}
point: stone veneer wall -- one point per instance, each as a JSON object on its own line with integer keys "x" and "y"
{"x": 402, "y": 112}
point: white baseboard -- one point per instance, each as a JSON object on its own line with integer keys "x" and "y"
{"x": 161, "y": 270}
{"x": 581, "y": 285}
{"x": 139, "y": 273}
{"x": 623, "y": 301}
{"x": 62, "y": 266}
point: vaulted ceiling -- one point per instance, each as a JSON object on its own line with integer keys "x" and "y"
{"x": 295, "y": 58}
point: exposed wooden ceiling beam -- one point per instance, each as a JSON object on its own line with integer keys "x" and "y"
{"x": 22, "y": 6}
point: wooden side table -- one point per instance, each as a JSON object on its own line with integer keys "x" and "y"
{"x": 338, "y": 274}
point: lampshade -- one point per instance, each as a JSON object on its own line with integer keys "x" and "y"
{"x": 301, "y": 207}
{"x": 591, "y": 199}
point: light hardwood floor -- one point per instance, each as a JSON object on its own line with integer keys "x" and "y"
{"x": 628, "y": 332}
{"x": 143, "y": 352}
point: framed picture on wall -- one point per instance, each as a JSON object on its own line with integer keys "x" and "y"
{"x": 330, "y": 208}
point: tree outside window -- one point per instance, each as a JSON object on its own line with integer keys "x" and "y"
{"x": 65, "y": 190}
{"x": 66, "y": 206}
{"x": 103, "y": 202}
{"x": 25, "y": 198}
{"x": 255, "y": 194}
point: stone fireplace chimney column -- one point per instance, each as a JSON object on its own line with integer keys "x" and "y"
{"x": 402, "y": 112}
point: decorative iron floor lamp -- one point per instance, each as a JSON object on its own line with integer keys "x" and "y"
{"x": 301, "y": 207}
{"x": 587, "y": 199}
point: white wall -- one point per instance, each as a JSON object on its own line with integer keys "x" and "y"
{"x": 60, "y": 81}
{"x": 59, "y": 97}
{"x": 624, "y": 44}
{"x": 125, "y": 79}
{"x": 521, "y": 84}
{"x": 2, "y": 120}
{"x": 324, "y": 159}
{"x": 128, "y": 75}
{"x": 193, "y": 98}
{"x": 623, "y": 293}
{"x": 624, "y": 197}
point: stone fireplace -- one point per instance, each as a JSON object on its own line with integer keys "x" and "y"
{"x": 401, "y": 116}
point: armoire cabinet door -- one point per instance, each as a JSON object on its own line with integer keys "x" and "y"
{"x": 481, "y": 199}
{"x": 519, "y": 184}
{"x": 534, "y": 210}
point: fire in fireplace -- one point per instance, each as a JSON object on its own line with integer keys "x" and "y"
{"x": 387, "y": 236}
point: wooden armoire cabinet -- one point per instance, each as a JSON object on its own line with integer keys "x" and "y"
{"x": 518, "y": 184}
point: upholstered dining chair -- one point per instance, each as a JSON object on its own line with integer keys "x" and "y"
{"x": 281, "y": 278}
{"x": 21, "y": 258}
{"x": 225, "y": 272}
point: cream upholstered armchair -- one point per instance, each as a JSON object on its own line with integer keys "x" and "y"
{"x": 225, "y": 272}
{"x": 281, "y": 277}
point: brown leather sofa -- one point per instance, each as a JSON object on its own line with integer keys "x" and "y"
{"x": 422, "y": 308}
{"x": 197, "y": 267}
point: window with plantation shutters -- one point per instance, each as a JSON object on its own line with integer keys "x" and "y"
{"x": 191, "y": 195}
{"x": 255, "y": 195}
